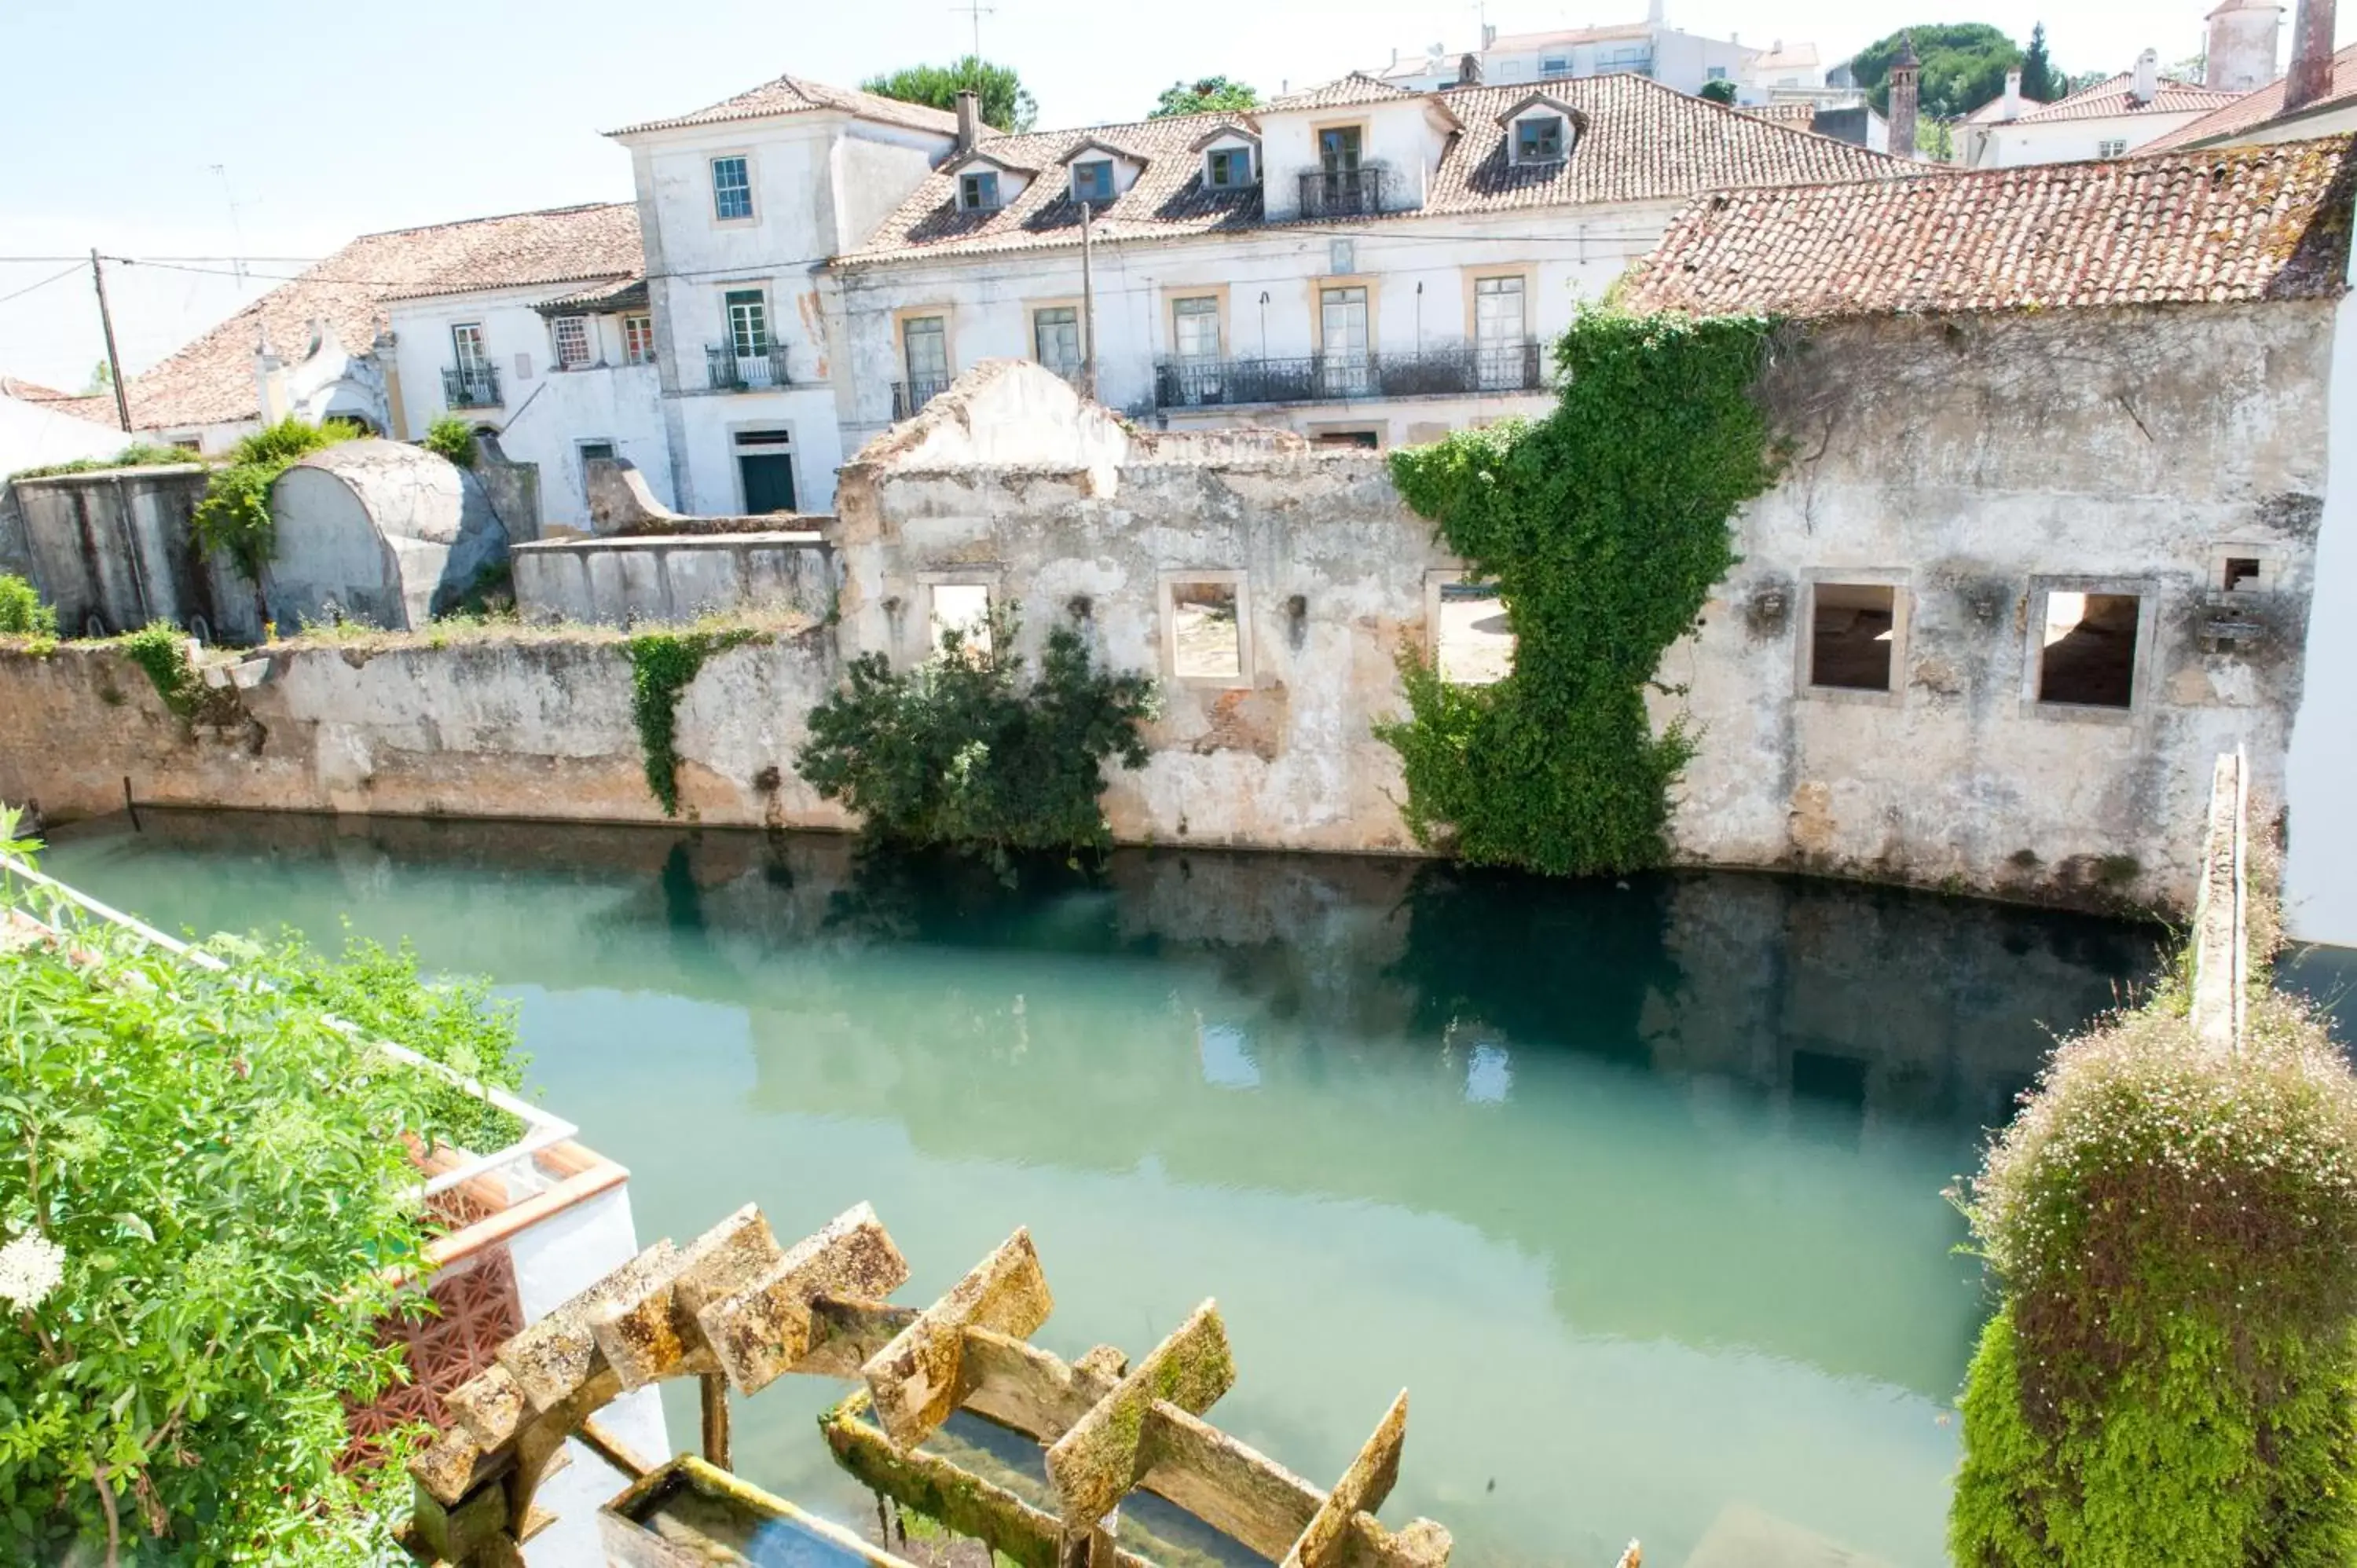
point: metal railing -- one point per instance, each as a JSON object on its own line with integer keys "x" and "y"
{"x": 732, "y": 371}
{"x": 907, "y": 397}
{"x": 471, "y": 386}
{"x": 1341, "y": 192}
{"x": 1456, "y": 371}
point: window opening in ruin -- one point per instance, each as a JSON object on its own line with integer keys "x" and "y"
{"x": 2088, "y": 653}
{"x": 1205, "y": 630}
{"x": 1366, "y": 440}
{"x": 2241, "y": 571}
{"x": 765, "y": 468}
{"x": 1473, "y": 642}
{"x": 1853, "y": 628}
{"x": 963, "y": 607}
{"x": 590, "y": 452}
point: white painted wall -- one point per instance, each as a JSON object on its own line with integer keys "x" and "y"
{"x": 1401, "y": 135}
{"x": 32, "y": 437}
{"x": 2012, "y": 145}
{"x": 2321, "y": 776}
{"x": 1682, "y": 60}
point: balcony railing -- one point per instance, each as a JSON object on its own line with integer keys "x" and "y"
{"x": 1455, "y": 371}
{"x": 1341, "y": 192}
{"x": 732, "y": 371}
{"x": 907, "y": 397}
{"x": 471, "y": 386}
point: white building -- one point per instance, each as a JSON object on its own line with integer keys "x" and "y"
{"x": 39, "y": 426}
{"x": 2109, "y": 120}
{"x": 1651, "y": 47}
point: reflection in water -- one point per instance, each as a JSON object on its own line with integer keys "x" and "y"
{"x": 1637, "y": 1188}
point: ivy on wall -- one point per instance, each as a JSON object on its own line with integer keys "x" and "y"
{"x": 664, "y": 664}
{"x": 1604, "y": 525}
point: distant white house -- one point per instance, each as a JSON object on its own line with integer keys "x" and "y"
{"x": 40, "y": 426}
{"x": 2110, "y": 119}
{"x": 1686, "y": 61}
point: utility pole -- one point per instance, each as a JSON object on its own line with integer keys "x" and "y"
{"x": 1088, "y": 311}
{"x": 106, "y": 323}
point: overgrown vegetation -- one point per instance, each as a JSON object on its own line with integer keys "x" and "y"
{"x": 451, "y": 438}
{"x": 1005, "y": 103}
{"x": 1205, "y": 95}
{"x": 137, "y": 454}
{"x": 22, "y": 614}
{"x": 1603, "y": 526}
{"x": 161, "y": 649}
{"x": 664, "y": 664}
{"x": 233, "y": 518}
{"x": 2172, "y": 1375}
{"x": 970, "y": 751}
{"x": 1964, "y": 66}
{"x": 205, "y": 1189}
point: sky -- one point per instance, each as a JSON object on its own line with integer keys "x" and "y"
{"x": 271, "y": 133}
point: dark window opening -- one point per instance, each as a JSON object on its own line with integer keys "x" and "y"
{"x": 1822, "y": 1076}
{"x": 1368, "y": 439}
{"x": 765, "y": 464}
{"x": 1851, "y": 634}
{"x": 2089, "y": 654}
{"x": 2241, "y": 569}
{"x": 1539, "y": 140}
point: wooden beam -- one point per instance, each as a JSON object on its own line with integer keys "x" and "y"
{"x": 1101, "y": 1457}
{"x": 915, "y": 1380}
{"x": 1361, "y": 1489}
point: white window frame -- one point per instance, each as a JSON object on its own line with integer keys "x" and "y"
{"x": 1112, "y": 181}
{"x": 730, "y": 306}
{"x": 971, "y": 189}
{"x": 1561, "y": 139}
{"x": 1196, "y": 307}
{"x": 639, "y": 338}
{"x": 580, "y": 355}
{"x": 1169, "y": 584}
{"x": 1040, "y": 315}
{"x": 743, "y": 161}
{"x": 2112, "y": 147}
{"x": 1214, "y": 182}
{"x": 468, "y": 346}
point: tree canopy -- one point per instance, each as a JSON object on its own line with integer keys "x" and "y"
{"x": 1719, "y": 92}
{"x": 1964, "y": 66}
{"x": 1007, "y": 105}
{"x": 1205, "y": 95}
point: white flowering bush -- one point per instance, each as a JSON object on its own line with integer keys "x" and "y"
{"x": 205, "y": 1193}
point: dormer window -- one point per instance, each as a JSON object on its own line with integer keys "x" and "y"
{"x": 1539, "y": 139}
{"x": 1092, "y": 181}
{"x": 1228, "y": 168}
{"x": 978, "y": 191}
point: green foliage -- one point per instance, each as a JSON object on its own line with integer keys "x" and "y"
{"x": 2172, "y": 1377}
{"x": 161, "y": 649}
{"x": 964, "y": 751}
{"x": 203, "y": 1183}
{"x": 22, "y": 614}
{"x": 138, "y": 454}
{"x": 233, "y": 518}
{"x": 1964, "y": 66}
{"x": 2040, "y": 82}
{"x": 1205, "y": 95}
{"x": 451, "y": 438}
{"x": 1005, "y": 105}
{"x": 664, "y": 664}
{"x": 1719, "y": 92}
{"x": 1604, "y": 525}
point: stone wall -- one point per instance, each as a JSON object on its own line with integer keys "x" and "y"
{"x": 110, "y": 551}
{"x": 635, "y": 581}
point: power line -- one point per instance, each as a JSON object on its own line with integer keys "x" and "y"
{"x": 55, "y": 277}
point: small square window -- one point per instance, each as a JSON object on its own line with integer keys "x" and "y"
{"x": 2244, "y": 572}
{"x": 732, "y": 190}
{"x": 1473, "y": 641}
{"x": 572, "y": 342}
{"x": 1230, "y": 169}
{"x": 639, "y": 340}
{"x": 1556, "y": 65}
{"x": 978, "y": 192}
{"x": 1206, "y": 628}
{"x": 2112, "y": 149}
{"x": 2087, "y": 650}
{"x": 1092, "y": 181}
{"x": 1853, "y": 630}
{"x": 1715, "y": 73}
{"x": 591, "y": 452}
{"x": 959, "y": 619}
{"x": 1539, "y": 139}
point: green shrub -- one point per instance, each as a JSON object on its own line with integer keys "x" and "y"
{"x": 1604, "y": 525}
{"x": 203, "y": 1184}
{"x": 452, "y": 437}
{"x": 161, "y": 649}
{"x": 964, "y": 752}
{"x": 233, "y": 518}
{"x": 2172, "y": 1378}
{"x": 22, "y": 614}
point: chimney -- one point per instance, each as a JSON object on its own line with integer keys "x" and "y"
{"x": 2011, "y": 108}
{"x": 2147, "y": 77}
{"x": 1469, "y": 70}
{"x": 2244, "y": 37}
{"x": 969, "y": 114}
{"x": 2311, "y": 77}
{"x": 1906, "y": 77}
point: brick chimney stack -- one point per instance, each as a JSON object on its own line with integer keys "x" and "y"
{"x": 2311, "y": 77}
{"x": 1469, "y": 70}
{"x": 969, "y": 114}
{"x": 1906, "y": 78}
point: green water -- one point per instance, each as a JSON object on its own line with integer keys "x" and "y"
{"x": 1637, "y": 1189}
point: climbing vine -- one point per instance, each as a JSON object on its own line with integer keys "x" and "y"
{"x": 664, "y": 664}
{"x": 1603, "y": 526}
{"x": 233, "y": 516}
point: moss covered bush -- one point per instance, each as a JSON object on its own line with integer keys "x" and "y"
{"x": 451, "y": 438}
{"x": 22, "y": 614}
{"x": 971, "y": 750}
{"x": 1604, "y": 525}
{"x": 2172, "y": 1375}
{"x": 233, "y": 516}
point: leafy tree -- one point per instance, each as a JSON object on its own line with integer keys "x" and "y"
{"x": 2040, "y": 82}
{"x": 1005, "y": 105}
{"x": 101, "y": 380}
{"x": 1719, "y": 92}
{"x": 22, "y": 614}
{"x": 203, "y": 1185}
{"x": 1205, "y": 95}
{"x": 1964, "y": 66}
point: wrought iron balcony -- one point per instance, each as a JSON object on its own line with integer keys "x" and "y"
{"x": 907, "y": 397}
{"x": 1342, "y": 192}
{"x": 470, "y": 386}
{"x": 732, "y": 371}
{"x": 1462, "y": 369}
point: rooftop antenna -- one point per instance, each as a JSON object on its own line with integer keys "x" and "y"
{"x": 977, "y": 11}
{"x": 236, "y": 230}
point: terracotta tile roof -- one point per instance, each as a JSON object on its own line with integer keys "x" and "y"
{"x": 97, "y": 409}
{"x": 608, "y": 297}
{"x": 2258, "y": 106}
{"x": 211, "y": 382}
{"x": 793, "y": 95}
{"x": 1799, "y": 116}
{"x": 2116, "y": 98}
{"x": 1643, "y": 142}
{"x": 1356, "y": 88}
{"x": 2262, "y": 223}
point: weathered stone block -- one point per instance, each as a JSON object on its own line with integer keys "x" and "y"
{"x": 445, "y": 1467}
{"x": 1098, "y": 1461}
{"x": 455, "y": 1531}
{"x": 556, "y": 1356}
{"x": 914, "y": 1380}
{"x": 759, "y": 1331}
{"x": 489, "y": 1405}
{"x": 647, "y": 1332}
